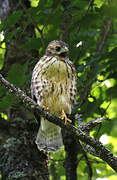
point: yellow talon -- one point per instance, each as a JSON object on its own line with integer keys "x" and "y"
{"x": 45, "y": 107}
{"x": 63, "y": 116}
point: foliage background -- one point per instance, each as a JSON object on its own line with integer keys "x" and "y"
{"x": 95, "y": 24}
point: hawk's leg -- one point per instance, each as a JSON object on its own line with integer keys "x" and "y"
{"x": 63, "y": 116}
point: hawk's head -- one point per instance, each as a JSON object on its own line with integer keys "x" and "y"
{"x": 57, "y": 48}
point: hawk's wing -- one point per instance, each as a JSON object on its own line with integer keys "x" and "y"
{"x": 49, "y": 136}
{"x": 72, "y": 87}
{"x": 38, "y": 83}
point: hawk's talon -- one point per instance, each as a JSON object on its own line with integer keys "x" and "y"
{"x": 64, "y": 117}
{"x": 45, "y": 107}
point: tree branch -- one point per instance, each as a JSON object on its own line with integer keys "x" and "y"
{"x": 104, "y": 35}
{"x": 91, "y": 124}
{"x": 102, "y": 152}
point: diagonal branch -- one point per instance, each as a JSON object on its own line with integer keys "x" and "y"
{"x": 102, "y": 152}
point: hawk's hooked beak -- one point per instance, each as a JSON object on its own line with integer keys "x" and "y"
{"x": 64, "y": 52}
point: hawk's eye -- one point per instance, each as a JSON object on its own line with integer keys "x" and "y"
{"x": 58, "y": 48}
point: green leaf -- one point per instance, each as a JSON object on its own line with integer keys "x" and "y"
{"x": 17, "y": 74}
{"x": 109, "y": 10}
{"x": 2, "y": 91}
{"x": 32, "y": 43}
{"x": 11, "y": 35}
{"x": 6, "y": 102}
{"x": 12, "y": 20}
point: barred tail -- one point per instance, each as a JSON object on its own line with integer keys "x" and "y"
{"x": 49, "y": 136}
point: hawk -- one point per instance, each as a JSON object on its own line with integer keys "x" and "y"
{"x": 53, "y": 86}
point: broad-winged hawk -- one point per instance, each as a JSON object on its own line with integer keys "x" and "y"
{"x": 53, "y": 86}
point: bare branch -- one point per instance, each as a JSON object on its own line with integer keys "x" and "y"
{"x": 104, "y": 36}
{"x": 102, "y": 152}
{"x": 91, "y": 124}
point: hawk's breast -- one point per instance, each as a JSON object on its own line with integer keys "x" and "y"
{"x": 54, "y": 84}
{"x": 57, "y": 70}
{"x": 59, "y": 76}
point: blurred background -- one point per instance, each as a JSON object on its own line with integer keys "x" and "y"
{"x": 90, "y": 29}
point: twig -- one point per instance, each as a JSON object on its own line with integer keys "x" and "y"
{"x": 102, "y": 152}
{"x": 104, "y": 35}
{"x": 91, "y": 124}
{"x": 90, "y": 174}
{"x": 85, "y": 14}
